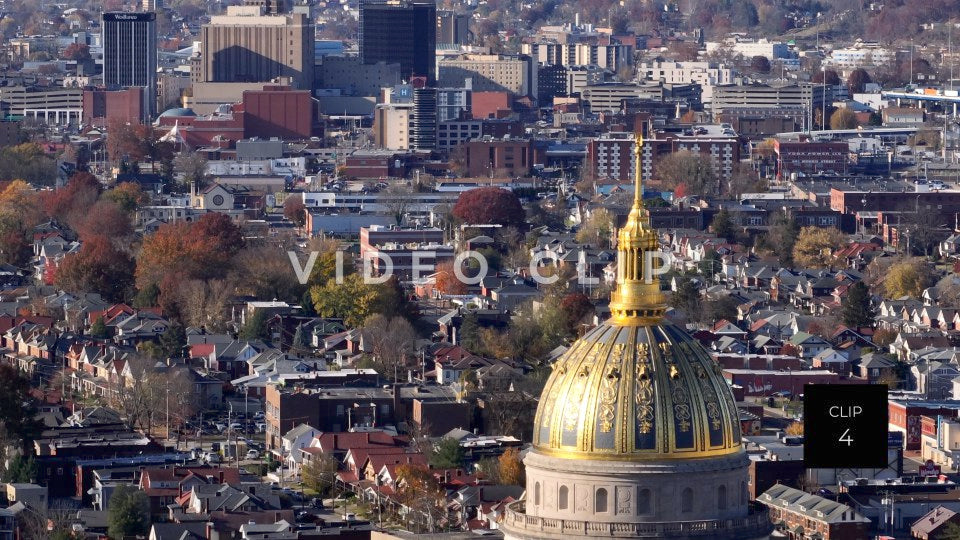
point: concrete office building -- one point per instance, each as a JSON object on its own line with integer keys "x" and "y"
{"x": 454, "y": 103}
{"x": 491, "y": 73}
{"x": 608, "y": 56}
{"x": 402, "y": 32}
{"x": 130, "y": 54}
{"x": 609, "y": 97}
{"x": 248, "y": 45}
{"x": 757, "y": 96}
{"x": 60, "y": 106}
{"x": 354, "y": 78}
{"x": 391, "y": 126}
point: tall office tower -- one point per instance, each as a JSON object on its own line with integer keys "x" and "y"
{"x": 423, "y": 119}
{"x": 130, "y": 54}
{"x": 452, "y": 28}
{"x": 400, "y": 31}
{"x": 247, "y": 45}
{"x": 151, "y": 5}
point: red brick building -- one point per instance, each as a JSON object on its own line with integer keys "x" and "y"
{"x": 810, "y": 516}
{"x": 906, "y": 417}
{"x": 810, "y": 157}
{"x": 101, "y": 105}
{"x": 849, "y": 202}
{"x": 275, "y": 111}
{"x": 491, "y": 104}
{"x": 278, "y": 111}
{"x": 766, "y": 382}
{"x": 514, "y": 157}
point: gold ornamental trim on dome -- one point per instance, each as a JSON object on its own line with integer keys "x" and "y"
{"x": 637, "y": 299}
{"x": 632, "y": 392}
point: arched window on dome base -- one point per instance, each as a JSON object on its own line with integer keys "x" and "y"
{"x": 600, "y": 503}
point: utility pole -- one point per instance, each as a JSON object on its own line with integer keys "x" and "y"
{"x": 229, "y": 422}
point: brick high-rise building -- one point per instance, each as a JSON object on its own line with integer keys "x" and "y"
{"x": 248, "y": 45}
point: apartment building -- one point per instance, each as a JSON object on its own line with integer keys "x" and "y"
{"x": 490, "y": 73}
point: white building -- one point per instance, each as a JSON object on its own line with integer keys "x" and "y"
{"x": 706, "y": 74}
{"x": 855, "y": 57}
{"x": 772, "y": 50}
{"x": 702, "y": 73}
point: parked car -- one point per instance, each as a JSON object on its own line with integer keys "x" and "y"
{"x": 212, "y": 457}
{"x": 253, "y": 454}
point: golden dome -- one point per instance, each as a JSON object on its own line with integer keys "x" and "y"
{"x": 636, "y": 387}
{"x": 636, "y": 392}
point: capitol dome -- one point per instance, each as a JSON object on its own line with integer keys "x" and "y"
{"x": 636, "y": 433}
{"x": 636, "y": 393}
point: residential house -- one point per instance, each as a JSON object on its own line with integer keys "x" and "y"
{"x": 808, "y": 345}
{"x": 811, "y": 516}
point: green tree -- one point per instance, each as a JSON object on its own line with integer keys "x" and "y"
{"x": 782, "y": 237}
{"x": 255, "y": 327}
{"x": 173, "y": 340}
{"x": 469, "y": 334}
{"x": 299, "y": 343}
{"x": 128, "y": 513}
{"x": 723, "y": 226}
{"x": 857, "y": 310}
{"x": 21, "y": 470}
{"x": 147, "y": 296}
{"x": 446, "y": 454}
{"x": 17, "y": 413}
{"x": 99, "y": 330}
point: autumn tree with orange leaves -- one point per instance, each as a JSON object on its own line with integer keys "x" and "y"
{"x": 447, "y": 281}
{"x": 180, "y": 252}
{"x": 99, "y": 266}
{"x": 419, "y": 490}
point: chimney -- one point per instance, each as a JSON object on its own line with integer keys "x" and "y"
{"x": 209, "y": 530}
{"x": 221, "y": 475}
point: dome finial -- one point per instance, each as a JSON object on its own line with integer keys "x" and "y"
{"x": 637, "y": 299}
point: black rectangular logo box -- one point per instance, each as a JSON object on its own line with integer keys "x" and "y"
{"x": 845, "y": 425}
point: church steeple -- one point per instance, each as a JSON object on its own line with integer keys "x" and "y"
{"x": 637, "y": 299}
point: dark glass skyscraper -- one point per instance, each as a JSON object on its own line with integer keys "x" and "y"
{"x": 400, "y": 31}
{"x": 130, "y": 53}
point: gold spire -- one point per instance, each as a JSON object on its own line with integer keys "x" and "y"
{"x": 637, "y": 299}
